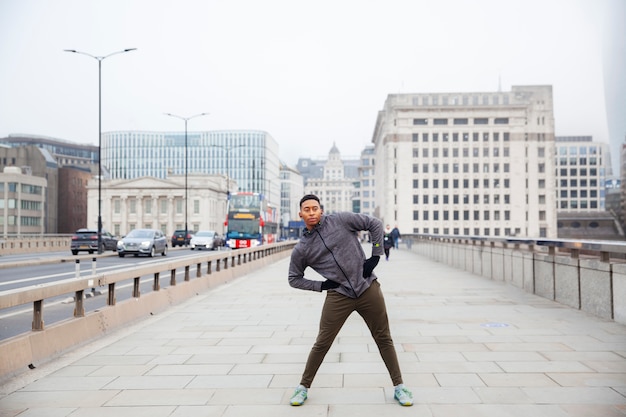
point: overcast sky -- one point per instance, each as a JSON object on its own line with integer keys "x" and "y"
{"x": 309, "y": 73}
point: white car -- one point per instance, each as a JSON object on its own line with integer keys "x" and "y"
{"x": 204, "y": 239}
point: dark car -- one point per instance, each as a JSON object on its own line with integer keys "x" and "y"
{"x": 179, "y": 238}
{"x": 87, "y": 240}
{"x": 143, "y": 242}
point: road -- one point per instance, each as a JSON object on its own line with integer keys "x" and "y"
{"x": 18, "y": 320}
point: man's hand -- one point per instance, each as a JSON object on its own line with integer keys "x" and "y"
{"x": 329, "y": 285}
{"x": 369, "y": 266}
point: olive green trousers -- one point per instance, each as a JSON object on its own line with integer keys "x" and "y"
{"x": 337, "y": 308}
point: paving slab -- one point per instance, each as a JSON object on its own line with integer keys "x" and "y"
{"x": 467, "y": 346}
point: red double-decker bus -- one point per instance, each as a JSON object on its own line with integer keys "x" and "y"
{"x": 250, "y": 221}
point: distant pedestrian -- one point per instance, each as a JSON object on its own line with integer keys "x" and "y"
{"x": 387, "y": 241}
{"x": 395, "y": 235}
{"x": 330, "y": 247}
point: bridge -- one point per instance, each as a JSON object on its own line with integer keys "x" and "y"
{"x": 482, "y": 328}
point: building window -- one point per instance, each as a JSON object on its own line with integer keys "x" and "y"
{"x": 501, "y": 120}
{"x": 420, "y": 122}
{"x": 481, "y": 121}
{"x": 541, "y": 152}
{"x": 441, "y": 121}
{"x": 460, "y": 121}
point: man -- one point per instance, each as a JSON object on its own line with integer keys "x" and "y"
{"x": 331, "y": 247}
{"x": 395, "y": 235}
{"x": 387, "y": 241}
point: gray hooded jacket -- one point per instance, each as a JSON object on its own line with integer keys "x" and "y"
{"x": 334, "y": 251}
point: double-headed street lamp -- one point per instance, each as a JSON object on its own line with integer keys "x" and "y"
{"x": 186, "y": 119}
{"x": 99, "y": 59}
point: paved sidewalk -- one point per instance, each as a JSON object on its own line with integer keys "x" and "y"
{"x": 468, "y": 347}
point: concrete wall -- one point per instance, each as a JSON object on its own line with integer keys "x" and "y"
{"x": 587, "y": 283}
{"x": 32, "y": 244}
{"x": 619, "y": 292}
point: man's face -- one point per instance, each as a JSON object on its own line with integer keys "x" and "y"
{"x": 311, "y": 213}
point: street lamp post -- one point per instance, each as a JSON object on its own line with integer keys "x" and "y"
{"x": 186, "y": 119}
{"x": 99, "y": 59}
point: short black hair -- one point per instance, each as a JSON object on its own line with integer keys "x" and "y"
{"x": 309, "y": 197}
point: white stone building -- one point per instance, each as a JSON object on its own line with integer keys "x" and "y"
{"x": 474, "y": 164}
{"x": 335, "y": 189}
{"x": 157, "y": 203}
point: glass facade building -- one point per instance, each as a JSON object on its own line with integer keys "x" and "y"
{"x": 248, "y": 157}
{"x": 582, "y": 167}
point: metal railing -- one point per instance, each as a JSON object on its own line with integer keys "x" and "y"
{"x": 214, "y": 262}
{"x": 586, "y": 275}
{"x": 200, "y": 272}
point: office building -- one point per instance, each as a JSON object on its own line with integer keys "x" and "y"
{"x": 37, "y": 162}
{"x": 582, "y": 170}
{"x": 64, "y": 152}
{"x": 65, "y": 165}
{"x": 248, "y": 157}
{"x": 22, "y": 202}
{"x": 468, "y": 164}
{"x": 367, "y": 181}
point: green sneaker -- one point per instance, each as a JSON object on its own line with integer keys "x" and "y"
{"x": 299, "y": 396}
{"x": 403, "y": 396}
